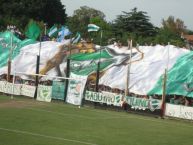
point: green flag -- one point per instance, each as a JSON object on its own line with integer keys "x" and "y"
{"x": 9, "y": 41}
{"x": 53, "y": 31}
{"x": 33, "y": 31}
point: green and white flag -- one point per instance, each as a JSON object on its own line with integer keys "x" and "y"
{"x": 93, "y": 27}
{"x": 77, "y": 38}
{"x": 53, "y": 31}
{"x": 8, "y": 41}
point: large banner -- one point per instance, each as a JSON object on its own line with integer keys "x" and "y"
{"x": 143, "y": 104}
{"x": 44, "y": 93}
{"x": 27, "y": 90}
{"x": 75, "y": 89}
{"x": 179, "y": 111}
{"x": 58, "y": 89}
{"x": 115, "y": 99}
{"x": 104, "y": 97}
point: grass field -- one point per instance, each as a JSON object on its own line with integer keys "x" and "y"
{"x": 24, "y": 121}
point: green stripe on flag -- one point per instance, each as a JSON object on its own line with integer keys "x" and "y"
{"x": 90, "y": 56}
{"x": 179, "y": 78}
{"x": 85, "y": 64}
{"x": 93, "y": 27}
{"x": 53, "y": 31}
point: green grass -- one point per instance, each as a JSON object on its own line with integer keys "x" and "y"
{"x": 27, "y": 122}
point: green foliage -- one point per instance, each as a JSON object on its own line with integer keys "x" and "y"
{"x": 171, "y": 32}
{"x": 19, "y": 12}
{"x": 175, "y": 25}
{"x": 135, "y": 23}
{"x": 86, "y": 15}
{"x": 189, "y": 32}
{"x": 136, "y": 26}
{"x": 75, "y": 25}
{"x": 81, "y": 18}
{"x": 166, "y": 36}
{"x": 104, "y": 27}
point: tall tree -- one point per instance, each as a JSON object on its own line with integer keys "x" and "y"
{"x": 174, "y": 25}
{"x": 135, "y": 23}
{"x": 19, "y": 12}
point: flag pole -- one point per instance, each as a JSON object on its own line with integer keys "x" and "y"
{"x": 98, "y": 66}
{"x": 130, "y": 45}
{"x": 9, "y": 60}
{"x": 37, "y": 69}
{"x": 163, "y": 94}
{"x": 163, "y": 105}
{"x": 67, "y": 70}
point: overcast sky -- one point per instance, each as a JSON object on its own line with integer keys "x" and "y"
{"x": 156, "y": 9}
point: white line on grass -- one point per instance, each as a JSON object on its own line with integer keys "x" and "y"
{"x": 46, "y": 136}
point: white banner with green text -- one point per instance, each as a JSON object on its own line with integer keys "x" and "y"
{"x": 143, "y": 103}
{"x": 10, "y": 88}
{"x": 27, "y": 90}
{"x": 179, "y": 111}
{"x": 104, "y": 97}
{"x": 44, "y": 93}
{"x": 75, "y": 89}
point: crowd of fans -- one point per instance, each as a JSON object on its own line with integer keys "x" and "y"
{"x": 172, "y": 99}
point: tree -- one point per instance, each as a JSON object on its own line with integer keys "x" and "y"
{"x": 166, "y": 36}
{"x": 85, "y": 13}
{"x": 135, "y": 23}
{"x": 81, "y": 18}
{"x": 174, "y": 25}
{"x": 106, "y": 29}
{"x": 19, "y": 12}
{"x": 170, "y": 32}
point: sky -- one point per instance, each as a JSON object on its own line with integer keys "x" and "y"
{"x": 156, "y": 9}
